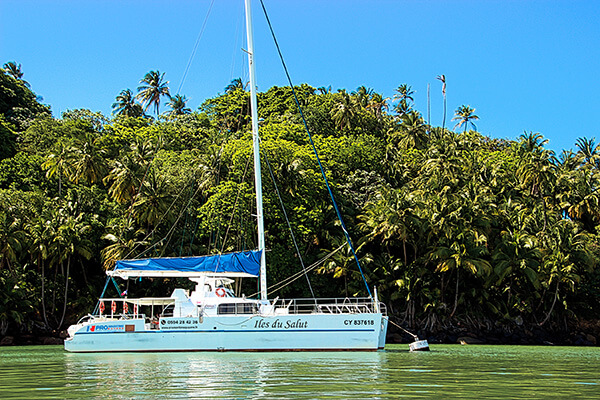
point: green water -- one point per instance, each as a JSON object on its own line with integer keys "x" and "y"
{"x": 448, "y": 371}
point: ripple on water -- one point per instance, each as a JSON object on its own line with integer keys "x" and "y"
{"x": 467, "y": 372}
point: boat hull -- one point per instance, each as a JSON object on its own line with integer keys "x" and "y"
{"x": 310, "y": 332}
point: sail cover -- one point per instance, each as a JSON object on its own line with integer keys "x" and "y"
{"x": 245, "y": 263}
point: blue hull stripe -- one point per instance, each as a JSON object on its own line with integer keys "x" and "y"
{"x": 229, "y": 331}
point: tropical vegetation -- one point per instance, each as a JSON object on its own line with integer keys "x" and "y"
{"x": 448, "y": 225}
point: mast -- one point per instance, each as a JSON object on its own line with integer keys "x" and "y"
{"x": 256, "y": 148}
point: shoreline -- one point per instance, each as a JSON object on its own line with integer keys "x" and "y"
{"x": 577, "y": 333}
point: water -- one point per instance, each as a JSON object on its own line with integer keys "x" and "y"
{"x": 448, "y": 371}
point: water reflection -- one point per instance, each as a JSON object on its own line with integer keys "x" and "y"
{"x": 446, "y": 372}
{"x": 229, "y": 375}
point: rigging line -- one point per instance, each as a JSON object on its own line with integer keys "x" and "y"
{"x": 217, "y": 182}
{"x": 289, "y": 225}
{"x": 167, "y": 212}
{"x": 194, "y": 235}
{"x": 189, "y": 64}
{"x": 237, "y": 197}
{"x": 337, "y": 210}
{"x": 134, "y": 199}
{"x": 296, "y": 276}
{"x": 152, "y": 232}
{"x": 97, "y": 308}
{"x": 290, "y": 279}
{"x": 160, "y": 221}
{"x": 172, "y": 230}
{"x": 185, "y": 223}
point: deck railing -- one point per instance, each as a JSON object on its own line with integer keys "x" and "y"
{"x": 347, "y": 305}
{"x": 132, "y": 308}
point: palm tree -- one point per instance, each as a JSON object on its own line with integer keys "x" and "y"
{"x": 343, "y": 111}
{"x": 127, "y": 173}
{"x": 10, "y": 239}
{"x": 89, "y": 164}
{"x": 324, "y": 90}
{"x": 403, "y": 94}
{"x": 568, "y": 255}
{"x": 465, "y": 116}
{"x": 516, "y": 261}
{"x": 532, "y": 142}
{"x": 340, "y": 264}
{"x": 415, "y": 130}
{"x": 442, "y": 78}
{"x": 362, "y": 96}
{"x": 37, "y": 230}
{"x": 151, "y": 204}
{"x": 581, "y": 197}
{"x": 125, "y": 105}
{"x": 152, "y": 89}
{"x": 536, "y": 170}
{"x": 236, "y": 84}
{"x": 377, "y": 105}
{"x": 59, "y": 162}
{"x": 124, "y": 238}
{"x": 70, "y": 239}
{"x": 13, "y": 69}
{"x": 467, "y": 252}
{"x": 392, "y": 219}
{"x": 178, "y": 105}
{"x": 588, "y": 150}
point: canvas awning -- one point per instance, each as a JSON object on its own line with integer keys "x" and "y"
{"x": 239, "y": 264}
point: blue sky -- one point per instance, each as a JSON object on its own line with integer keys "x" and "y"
{"x": 524, "y": 65}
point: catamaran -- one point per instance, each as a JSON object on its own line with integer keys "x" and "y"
{"x": 213, "y": 317}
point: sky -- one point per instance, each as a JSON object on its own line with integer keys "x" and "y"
{"x": 524, "y": 65}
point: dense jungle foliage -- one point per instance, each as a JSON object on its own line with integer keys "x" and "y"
{"x": 446, "y": 224}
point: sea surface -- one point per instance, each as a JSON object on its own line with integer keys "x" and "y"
{"x": 446, "y": 372}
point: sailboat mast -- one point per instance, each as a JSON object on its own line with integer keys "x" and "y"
{"x": 256, "y": 148}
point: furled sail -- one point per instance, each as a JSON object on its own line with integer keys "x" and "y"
{"x": 243, "y": 264}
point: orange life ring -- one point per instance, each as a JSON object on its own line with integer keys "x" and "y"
{"x": 220, "y": 292}
{"x": 125, "y": 308}
{"x": 113, "y": 307}
{"x": 102, "y": 307}
{"x": 135, "y": 309}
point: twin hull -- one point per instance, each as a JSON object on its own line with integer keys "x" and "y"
{"x": 365, "y": 331}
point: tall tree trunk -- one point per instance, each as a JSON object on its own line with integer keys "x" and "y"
{"x": 455, "y": 294}
{"x": 62, "y": 319}
{"x": 43, "y": 291}
{"x": 553, "y": 303}
{"x": 444, "y": 120}
{"x": 543, "y": 210}
{"x": 85, "y": 280}
{"x": 54, "y": 291}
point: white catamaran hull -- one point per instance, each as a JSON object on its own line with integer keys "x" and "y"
{"x": 235, "y": 333}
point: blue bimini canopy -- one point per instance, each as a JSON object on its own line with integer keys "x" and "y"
{"x": 239, "y": 264}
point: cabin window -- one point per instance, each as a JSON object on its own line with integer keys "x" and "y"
{"x": 227, "y": 308}
{"x": 237, "y": 308}
{"x": 246, "y": 308}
